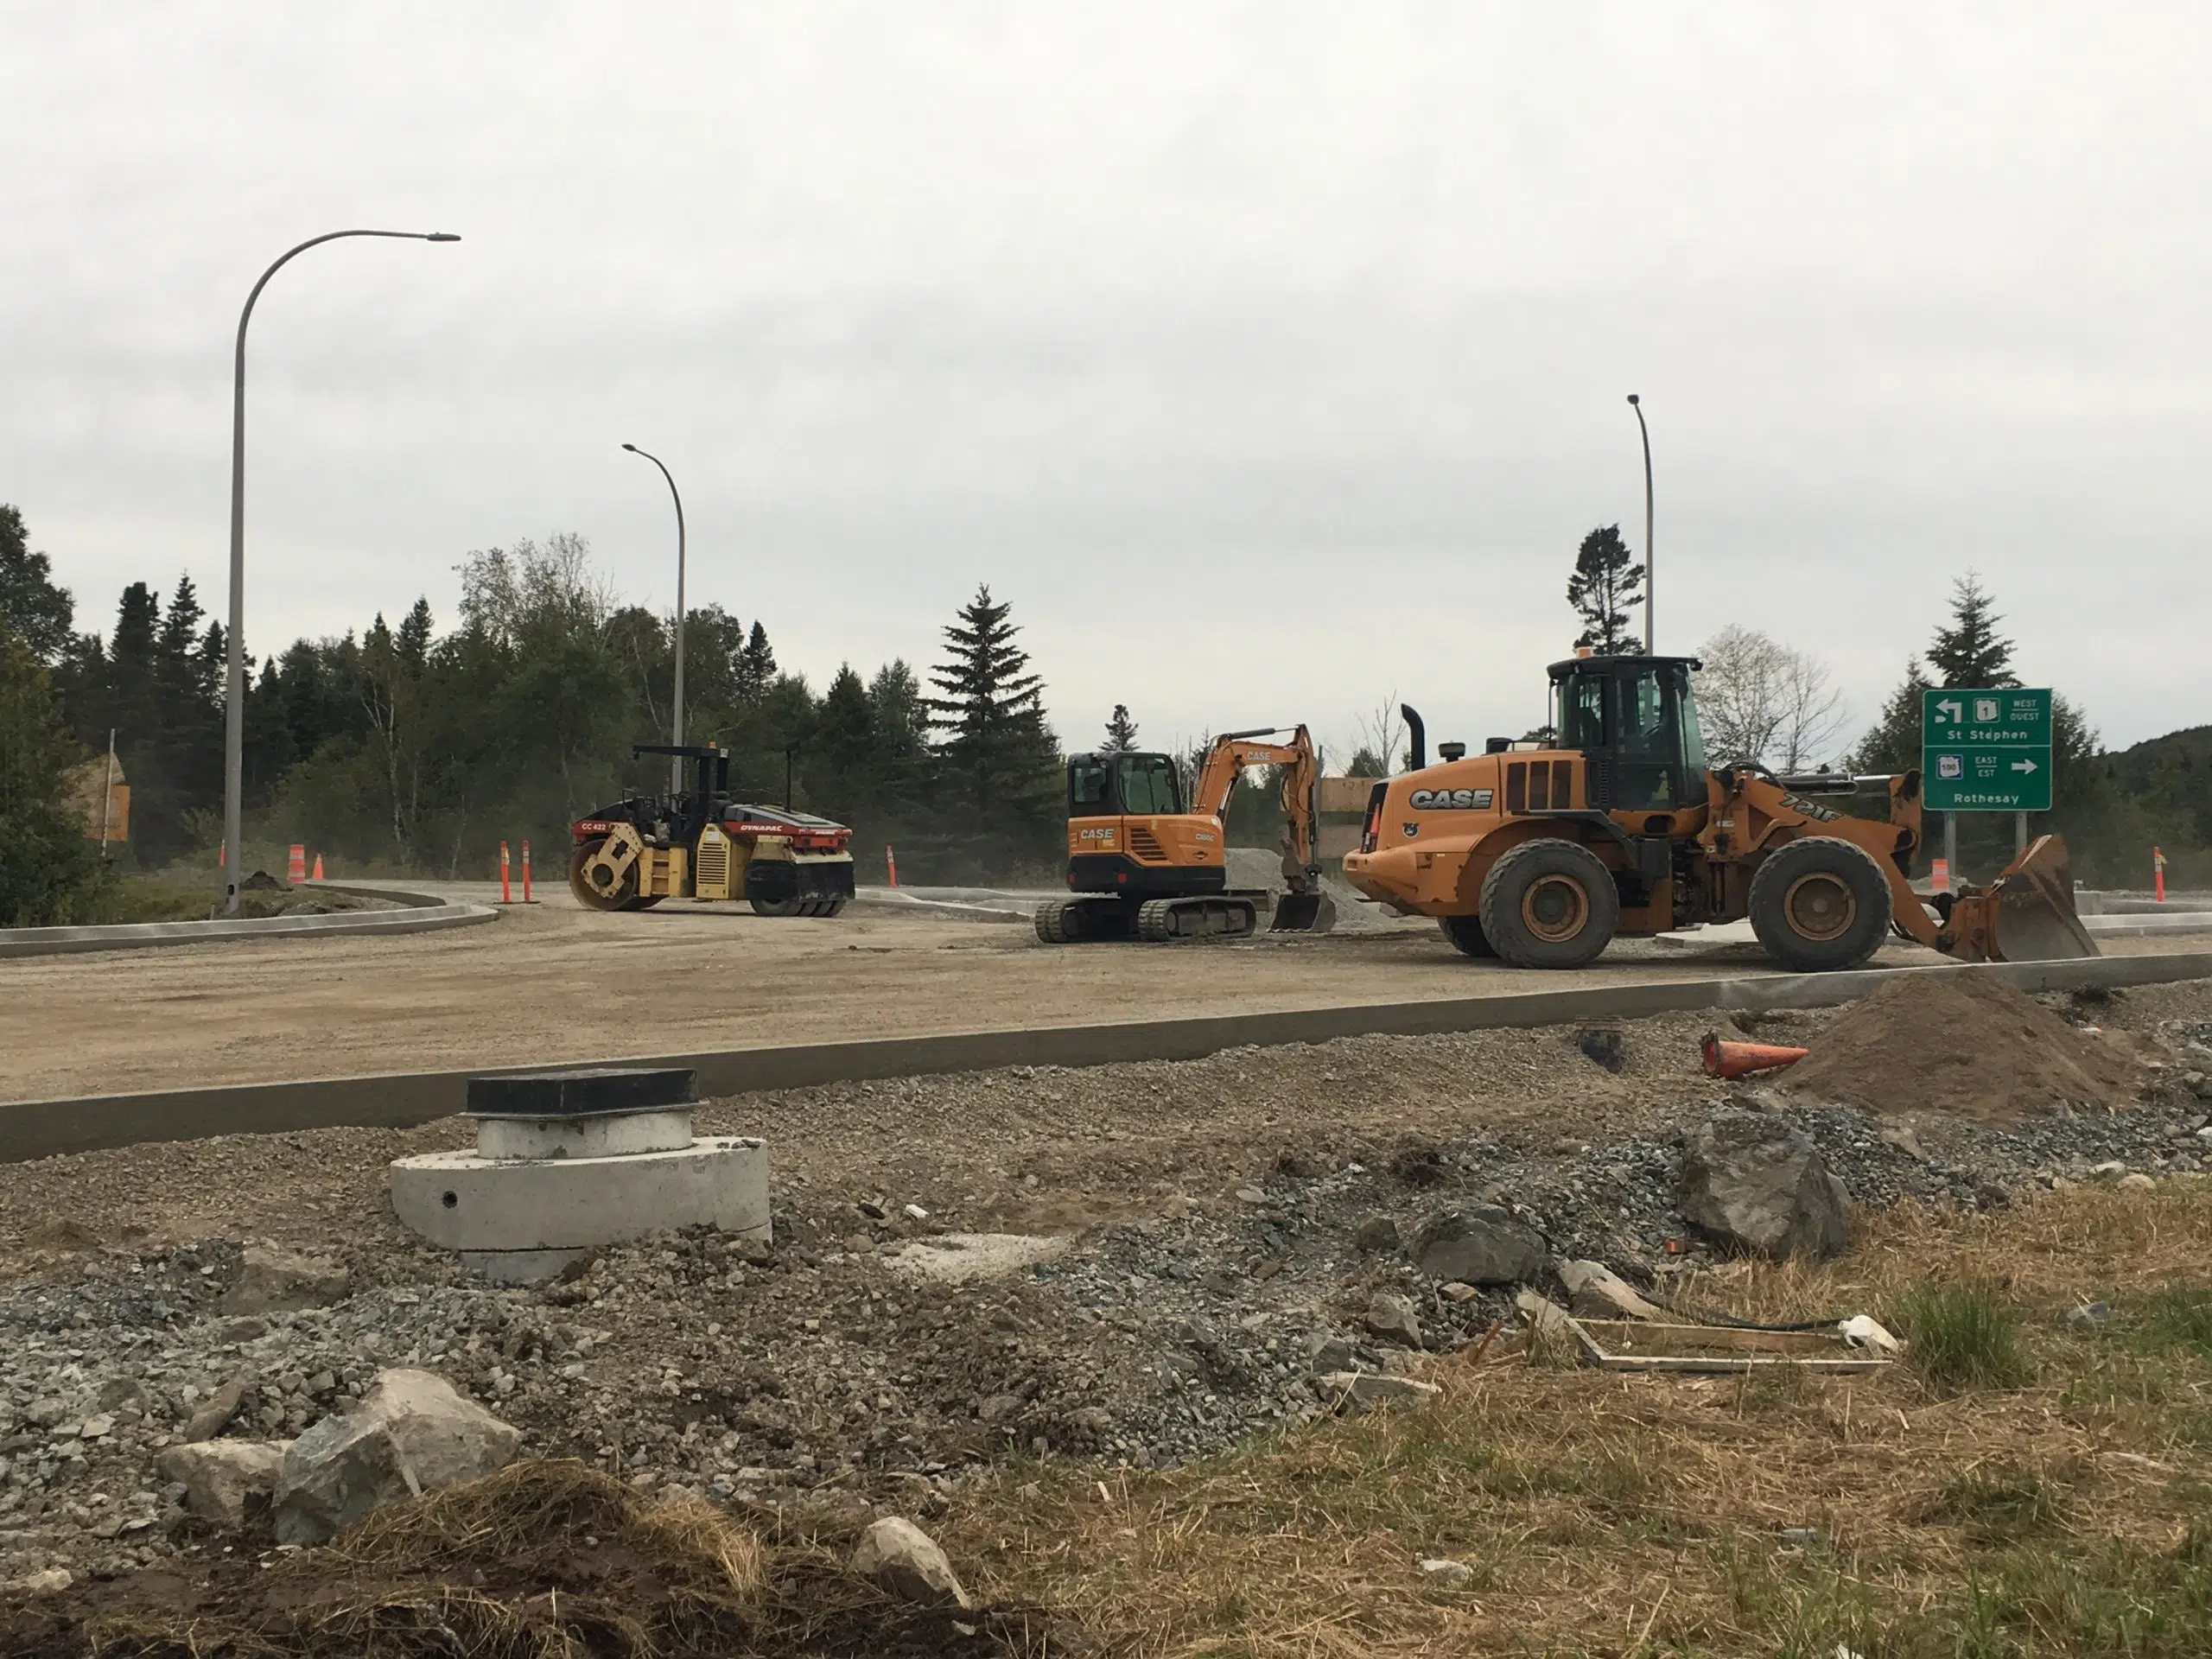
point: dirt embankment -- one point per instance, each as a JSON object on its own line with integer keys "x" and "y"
{"x": 1969, "y": 1046}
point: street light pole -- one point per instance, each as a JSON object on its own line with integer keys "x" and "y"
{"x": 1649, "y": 564}
{"x": 234, "y": 692}
{"x": 676, "y": 721}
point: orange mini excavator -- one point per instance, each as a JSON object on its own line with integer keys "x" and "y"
{"x": 1142, "y": 866}
{"x": 1542, "y": 853}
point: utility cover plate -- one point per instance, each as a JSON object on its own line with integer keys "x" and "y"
{"x": 576, "y": 1091}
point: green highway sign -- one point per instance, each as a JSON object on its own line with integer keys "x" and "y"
{"x": 1987, "y": 751}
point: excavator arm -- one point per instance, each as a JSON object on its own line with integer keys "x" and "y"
{"x": 1299, "y": 909}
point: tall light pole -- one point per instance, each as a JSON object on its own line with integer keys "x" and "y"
{"x": 234, "y": 694}
{"x": 1649, "y": 564}
{"x": 675, "y": 719}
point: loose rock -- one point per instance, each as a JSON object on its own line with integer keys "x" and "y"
{"x": 222, "y": 1479}
{"x": 412, "y": 1433}
{"x": 279, "y": 1281}
{"x": 1479, "y": 1245}
{"x": 900, "y": 1558}
{"x": 1393, "y": 1320}
{"x": 1757, "y": 1184}
{"x": 1452, "y": 1575}
{"x": 1377, "y": 1234}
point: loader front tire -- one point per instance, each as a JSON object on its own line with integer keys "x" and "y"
{"x": 1467, "y": 937}
{"x": 1549, "y": 904}
{"x": 1820, "y": 905}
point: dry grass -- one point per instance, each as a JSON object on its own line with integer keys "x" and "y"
{"x": 1627, "y": 1515}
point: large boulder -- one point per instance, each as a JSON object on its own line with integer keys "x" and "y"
{"x": 1755, "y": 1184}
{"x": 223, "y": 1480}
{"x": 410, "y": 1434}
{"x": 898, "y": 1557}
{"x": 279, "y": 1281}
{"x": 1483, "y": 1245}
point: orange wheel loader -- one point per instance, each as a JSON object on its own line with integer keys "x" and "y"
{"x": 1142, "y": 866}
{"x": 1541, "y": 854}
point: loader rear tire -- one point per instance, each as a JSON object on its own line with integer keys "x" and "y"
{"x": 1820, "y": 905}
{"x": 1467, "y": 937}
{"x": 1549, "y": 904}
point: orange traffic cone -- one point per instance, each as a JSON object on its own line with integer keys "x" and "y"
{"x": 1726, "y": 1060}
{"x": 318, "y": 867}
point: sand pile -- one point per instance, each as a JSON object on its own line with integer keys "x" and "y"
{"x": 1967, "y": 1044}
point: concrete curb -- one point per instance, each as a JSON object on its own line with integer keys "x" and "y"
{"x": 47, "y": 1128}
{"x": 420, "y": 914}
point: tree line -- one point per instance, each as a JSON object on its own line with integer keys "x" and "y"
{"x": 417, "y": 748}
{"x": 1764, "y": 700}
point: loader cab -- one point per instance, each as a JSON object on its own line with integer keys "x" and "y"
{"x": 1635, "y": 721}
{"x": 1123, "y": 785}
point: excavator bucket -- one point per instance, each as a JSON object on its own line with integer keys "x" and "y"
{"x": 1304, "y": 913}
{"x": 2027, "y": 914}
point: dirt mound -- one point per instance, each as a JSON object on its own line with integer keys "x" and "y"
{"x": 543, "y": 1557}
{"x": 1968, "y": 1044}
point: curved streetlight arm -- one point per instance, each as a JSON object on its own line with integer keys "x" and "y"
{"x": 234, "y": 687}
{"x": 675, "y": 719}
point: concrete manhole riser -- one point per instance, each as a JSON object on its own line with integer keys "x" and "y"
{"x": 542, "y": 1188}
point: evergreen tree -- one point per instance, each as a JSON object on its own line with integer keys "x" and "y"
{"x": 997, "y": 761}
{"x": 1893, "y": 744}
{"x": 49, "y": 867}
{"x": 40, "y": 614}
{"x": 1607, "y": 584}
{"x": 413, "y": 641}
{"x": 1970, "y": 653}
{"x": 756, "y": 665}
{"x": 1121, "y": 731}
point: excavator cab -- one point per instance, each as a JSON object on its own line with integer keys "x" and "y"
{"x": 1635, "y": 721}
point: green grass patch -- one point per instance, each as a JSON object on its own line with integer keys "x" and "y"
{"x": 2174, "y": 1321}
{"x": 1999, "y": 1503}
{"x": 1962, "y": 1337}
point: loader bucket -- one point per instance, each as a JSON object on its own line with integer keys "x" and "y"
{"x": 2028, "y": 911}
{"x": 1304, "y": 913}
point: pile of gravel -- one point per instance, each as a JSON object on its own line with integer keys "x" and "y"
{"x": 822, "y": 1369}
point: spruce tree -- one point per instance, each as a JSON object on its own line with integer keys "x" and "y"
{"x": 996, "y": 758}
{"x": 1121, "y": 731}
{"x": 1970, "y": 653}
{"x": 1893, "y": 744}
{"x": 1607, "y": 584}
{"x": 756, "y": 665}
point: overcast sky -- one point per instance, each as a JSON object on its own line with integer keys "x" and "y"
{"x": 1270, "y": 359}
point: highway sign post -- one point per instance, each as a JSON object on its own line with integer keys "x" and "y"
{"x": 1987, "y": 751}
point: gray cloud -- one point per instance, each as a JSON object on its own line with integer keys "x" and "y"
{"x": 1268, "y": 357}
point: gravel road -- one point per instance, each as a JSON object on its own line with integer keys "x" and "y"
{"x": 555, "y": 983}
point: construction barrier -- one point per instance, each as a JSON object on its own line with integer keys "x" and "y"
{"x": 2158, "y": 875}
{"x": 295, "y": 871}
{"x": 891, "y": 864}
{"x": 506, "y": 894}
{"x": 1940, "y": 874}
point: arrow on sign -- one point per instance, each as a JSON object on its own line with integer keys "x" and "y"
{"x": 2024, "y": 765}
{"x": 1952, "y": 709}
